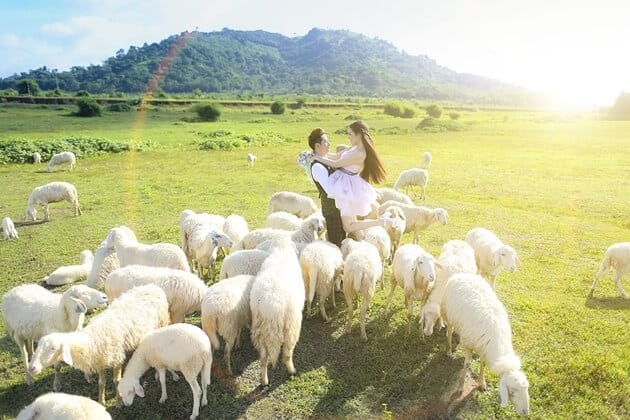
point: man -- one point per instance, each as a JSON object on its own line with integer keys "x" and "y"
{"x": 318, "y": 141}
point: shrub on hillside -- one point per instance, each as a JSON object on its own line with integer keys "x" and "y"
{"x": 122, "y": 107}
{"x": 434, "y": 111}
{"x": 88, "y": 108}
{"x": 393, "y": 108}
{"x": 434, "y": 125}
{"x": 27, "y": 87}
{"x": 278, "y": 108}
{"x": 226, "y": 140}
{"x": 208, "y": 112}
{"x": 454, "y": 115}
{"x": 82, "y": 93}
{"x": 408, "y": 112}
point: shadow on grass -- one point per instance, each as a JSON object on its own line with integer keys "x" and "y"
{"x": 30, "y": 222}
{"x": 617, "y": 302}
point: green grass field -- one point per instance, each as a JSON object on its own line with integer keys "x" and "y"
{"x": 556, "y": 188}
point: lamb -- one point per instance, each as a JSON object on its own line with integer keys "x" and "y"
{"x": 109, "y": 336}
{"x": 491, "y": 254}
{"x": 245, "y": 261}
{"x": 61, "y": 406}
{"x": 473, "y": 311}
{"x": 276, "y": 302}
{"x": 413, "y": 177}
{"x": 617, "y": 258}
{"x": 322, "y": 264}
{"x": 417, "y": 218}
{"x": 386, "y": 194}
{"x": 291, "y": 202}
{"x": 456, "y": 257}
{"x": 235, "y": 227}
{"x": 395, "y": 230}
{"x": 310, "y": 229}
{"x": 52, "y": 192}
{"x": 37, "y": 158}
{"x": 31, "y": 311}
{"x": 225, "y": 311}
{"x": 70, "y": 273}
{"x": 8, "y": 229}
{"x": 204, "y": 243}
{"x": 413, "y": 269}
{"x": 106, "y": 260}
{"x": 184, "y": 291}
{"x": 283, "y": 220}
{"x": 182, "y": 347}
{"x": 426, "y": 160}
{"x": 59, "y": 158}
{"x": 251, "y": 159}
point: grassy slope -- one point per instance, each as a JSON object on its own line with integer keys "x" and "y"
{"x": 555, "y": 189}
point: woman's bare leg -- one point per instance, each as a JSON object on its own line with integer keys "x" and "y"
{"x": 351, "y": 224}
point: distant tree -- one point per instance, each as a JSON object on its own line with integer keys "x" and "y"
{"x": 82, "y": 93}
{"x": 278, "y": 108}
{"x": 434, "y": 111}
{"x": 454, "y": 115}
{"x": 621, "y": 108}
{"x": 88, "y": 108}
{"x": 393, "y": 108}
{"x": 27, "y": 87}
{"x": 408, "y": 112}
{"x": 208, "y": 111}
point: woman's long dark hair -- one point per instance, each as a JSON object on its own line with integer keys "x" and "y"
{"x": 373, "y": 170}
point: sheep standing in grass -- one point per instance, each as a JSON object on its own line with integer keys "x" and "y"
{"x": 204, "y": 243}
{"x": 291, "y": 202}
{"x": 397, "y": 229}
{"x": 8, "y": 229}
{"x": 426, "y": 160}
{"x": 106, "y": 260}
{"x": 414, "y": 177}
{"x": 60, "y": 406}
{"x": 617, "y": 258}
{"x": 322, "y": 264}
{"x": 31, "y": 311}
{"x": 235, "y": 227}
{"x": 71, "y": 273}
{"x": 189, "y": 220}
{"x": 225, "y": 311}
{"x": 251, "y": 160}
{"x": 106, "y": 340}
{"x": 386, "y": 194}
{"x": 62, "y": 158}
{"x": 417, "y": 218}
{"x": 37, "y": 158}
{"x": 473, "y": 311}
{"x": 181, "y": 347}
{"x": 491, "y": 254}
{"x": 244, "y": 261}
{"x": 52, "y": 192}
{"x": 379, "y": 237}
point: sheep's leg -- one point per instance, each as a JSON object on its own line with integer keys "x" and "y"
{"x": 46, "y": 212}
{"x": 364, "y": 308}
{"x": 102, "y": 382}
{"x": 116, "y": 375}
{"x": 287, "y": 358}
{"x": 24, "y": 352}
{"x": 174, "y": 374}
{"x": 312, "y": 284}
{"x": 449, "y": 340}
{"x": 415, "y": 236}
{"x": 322, "y": 307}
{"x": 601, "y": 272}
{"x": 617, "y": 279}
{"x": 482, "y": 379}
{"x": 350, "y": 309}
{"x": 333, "y": 298}
{"x": 162, "y": 375}
{"x": 391, "y": 292}
{"x": 56, "y": 384}
{"x": 205, "y": 381}
{"x": 227, "y": 354}
{"x": 196, "y": 390}
{"x": 467, "y": 361}
{"x": 264, "y": 362}
{"x": 409, "y": 301}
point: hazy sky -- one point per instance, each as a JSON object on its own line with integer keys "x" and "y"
{"x": 575, "y": 49}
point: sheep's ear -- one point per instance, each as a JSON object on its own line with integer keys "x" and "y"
{"x": 496, "y": 259}
{"x": 503, "y": 392}
{"x": 65, "y": 354}
{"x": 139, "y": 390}
{"x": 438, "y": 265}
{"x": 80, "y": 307}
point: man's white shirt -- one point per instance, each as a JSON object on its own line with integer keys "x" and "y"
{"x": 320, "y": 174}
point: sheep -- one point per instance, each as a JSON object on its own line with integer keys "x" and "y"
{"x": 386, "y": 194}
{"x": 379, "y": 237}
{"x": 245, "y": 261}
{"x": 108, "y": 337}
{"x": 322, "y": 264}
{"x": 8, "y": 229}
{"x": 182, "y": 347}
{"x": 413, "y": 177}
{"x": 52, "y": 192}
{"x": 59, "y": 158}
{"x": 426, "y": 160}
{"x": 617, "y": 258}
{"x": 106, "y": 260}
{"x": 225, "y": 310}
{"x": 188, "y": 219}
{"x": 130, "y": 251}
{"x": 203, "y": 244}
{"x": 473, "y": 311}
{"x": 456, "y": 257}
{"x": 291, "y": 202}
{"x": 251, "y": 159}
{"x": 276, "y": 302}
{"x": 37, "y": 158}
{"x": 184, "y": 291}
{"x": 395, "y": 230}
{"x": 491, "y": 254}
{"x": 70, "y": 273}
{"x": 31, "y": 311}
{"x": 413, "y": 269}
{"x": 235, "y": 227}
{"x": 283, "y": 220}
{"x": 361, "y": 270}
{"x": 310, "y": 229}
{"x": 417, "y": 218}
{"x": 61, "y": 406}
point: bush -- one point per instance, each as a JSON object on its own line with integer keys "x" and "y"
{"x": 434, "y": 125}
{"x": 277, "y": 108}
{"x": 225, "y": 140}
{"x": 300, "y": 103}
{"x": 393, "y": 108}
{"x": 434, "y": 111}
{"x": 208, "y": 112}
{"x": 82, "y": 93}
{"x": 27, "y": 87}
{"x": 123, "y": 107}
{"x": 408, "y": 112}
{"x": 454, "y": 115}
{"x": 88, "y": 108}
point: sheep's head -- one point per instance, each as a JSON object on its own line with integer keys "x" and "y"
{"x": 86, "y": 257}
{"x": 31, "y": 213}
{"x": 423, "y": 271}
{"x": 507, "y": 258}
{"x": 50, "y": 350}
{"x": 429, "y": 314}
{"x": 128, "y": 389}
{"x": 92, "y": 298}
{"x": 441, "y": 215}
{"x": 513, "y": 386}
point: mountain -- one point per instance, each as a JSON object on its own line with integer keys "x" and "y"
{"x": 322, "y": 62}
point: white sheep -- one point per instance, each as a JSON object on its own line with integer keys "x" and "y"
{"x": 386, "y": 194}
{"x": 397, "y": 229}
{"x": 203, "y": 244}
{"x": 251, "y": 160}
{"x": 413, "y": 269}
{"x": 473, "y": 311}
{"x": 8, "y": 229}
{"x": 322, "y": 265}
{"x": 52, "y": 192}
{"x": 235, "y": 227}
{"x": 456, "y": 257}
{"x": 245, "y": 261}
{"x": 181, "y": 347}
{"x": 491, "y": 254}
{"x": 108, "y": 337}
{"x": 617, "y": 258}
{"x": 426, "y": 160}
{"x": 188, "y": 219}
{"x": 379, "y": 237}
{"x": 283, "y": 220}
{"x": 70, "y": 273}
{"x": 31, "y": 311}
{"x": 417, "y": 218}
{"x": 291, "y": 202}
{"x": 414, "y": 177}
{"x": 106, "y": 260}
{"x": 310, "y": 230}
{"x": 61, "y": 406}
{"x": 63, "y": 157}
{"x": 276, "y": 302}
{"x": 184, "y": 291}
{"x": 225, "y": 311}
{"x": 130, "y": 251}
{"x": 37, "y": 158}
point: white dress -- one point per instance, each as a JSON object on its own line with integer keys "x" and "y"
{"x": 353, "y": 195}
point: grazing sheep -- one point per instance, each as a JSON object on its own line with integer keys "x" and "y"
{"x": 397, "y": 229}
{"x": 291, "y": 202}
{"x": 456, "y": 257}
{"x": 491, "y": 254}
{"x": 61, "y": 406}
{"x": 31, "y": 311}
{"x": 59, "y": 158}
{"x": 617, "y": 258}
{"x": 71, "y": 273}
{"x": 283, "y": 220}
{"x": 251, "y": 159}
{"x": 203, "y": 244}
{"x": 386, "y": 194}
{"x": 188, "y": 219}
{"x": 184, "y": 291}
{"x": 109, "y": 336}
{"x": 322, "y": 264}
{"x": 417, "y": 218}
{"x": 414, "y": 177}
{"x": 276, "y": 302}
{"x": 310, "y": 229}
{"x": 235, "y": 227}
{"x": 106, "y": 260}
{"x": 245, "y": 261}
{"x": 181, "y": 347}
{"x": 426, "y": 160}
{"x": 473, "y": 311}
{"x": 8, "y": 229}
{"x": 225, "y": 310}
{"x": 37, "y": 158}
{"x": 52, "y": 192}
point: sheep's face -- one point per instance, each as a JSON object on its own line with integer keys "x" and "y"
{"x": 430, "y": 315}
{"x": 128, "y": 389}
{"x": 441, "y": 215}
{"x": 513, "y": 386}
{"x": 508, "y": 258}
{"x": 31, "y": 213}
{"x": 47, "y": 353}
{"x": 92, "y": 298}
{"x": 424, "y": 269}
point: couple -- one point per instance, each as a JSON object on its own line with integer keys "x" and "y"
{"x": 342, "y": 180}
